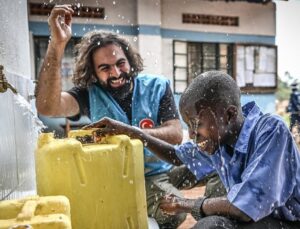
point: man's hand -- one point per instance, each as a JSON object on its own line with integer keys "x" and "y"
{"x": 173, "y": 205}
{"x": 108, "y": 126}
{"x": 60, "y": 21}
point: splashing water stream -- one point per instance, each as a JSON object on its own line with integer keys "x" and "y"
{"x": 35, "y": 121}
{"x": 18, "y": 141}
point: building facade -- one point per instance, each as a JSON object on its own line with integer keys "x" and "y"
{"x": 177, "y": 38}
{"x": 180, "y": 39}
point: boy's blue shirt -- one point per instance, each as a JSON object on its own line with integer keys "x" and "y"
{"x": 263, "y": 176}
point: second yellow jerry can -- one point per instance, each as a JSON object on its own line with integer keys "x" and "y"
{"x": 103, "y": 181}
{"x": 50, "y": 212}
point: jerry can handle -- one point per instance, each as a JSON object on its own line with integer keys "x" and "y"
{"x": 28, "y": 210}
{"x": 21, "y": 226}
{"x": 90, "y": 137}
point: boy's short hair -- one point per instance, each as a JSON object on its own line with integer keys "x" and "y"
{"x": 214, "y": 88}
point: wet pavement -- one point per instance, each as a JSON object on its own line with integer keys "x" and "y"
{"x": 192, "y": 194}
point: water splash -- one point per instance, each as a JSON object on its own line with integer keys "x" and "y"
{"x": 35, "y": 121}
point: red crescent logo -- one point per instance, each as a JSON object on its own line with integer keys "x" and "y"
{"x": 146, "y": 123}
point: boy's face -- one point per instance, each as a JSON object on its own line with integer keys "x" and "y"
{"x": 206, "y": 127}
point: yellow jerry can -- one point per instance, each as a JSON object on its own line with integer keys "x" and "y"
{"x": 104, "y": 181}
{"x": 50, "y": 212}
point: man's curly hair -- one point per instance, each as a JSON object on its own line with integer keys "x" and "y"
{"x": 84, "y": 74}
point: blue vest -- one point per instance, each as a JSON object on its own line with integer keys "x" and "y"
{"x": 147, "y": 93}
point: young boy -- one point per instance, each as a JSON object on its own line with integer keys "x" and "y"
{"x": 254, "y": 155}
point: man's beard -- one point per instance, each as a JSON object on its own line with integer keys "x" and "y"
{"x": 120, "y": 92}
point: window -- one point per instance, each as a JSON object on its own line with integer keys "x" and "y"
{"x": 192, "y": 59}
{"x": 40, "y": 48}
{"x": 256, "y": 67}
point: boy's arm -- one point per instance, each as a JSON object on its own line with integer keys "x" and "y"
{"x": 170, "y": 131}
{"x": 160, "y": 148}
{"x": 211, "y": 206}
{"x": 222, "y": 206}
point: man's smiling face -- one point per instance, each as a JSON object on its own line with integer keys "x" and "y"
{"x": 111, "y": 66}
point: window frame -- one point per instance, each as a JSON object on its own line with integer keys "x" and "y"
{"x": 256, "y": 89}
{"x": 189, "y": 77}
{"x": 231, "y": 61}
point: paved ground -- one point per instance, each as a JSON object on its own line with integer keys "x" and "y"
{"x": 193, "y": 194}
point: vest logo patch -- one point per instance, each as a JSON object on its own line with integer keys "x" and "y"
{"x": 146, "y": 123}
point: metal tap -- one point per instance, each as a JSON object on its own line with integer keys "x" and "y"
{"x": 4, "y": 84}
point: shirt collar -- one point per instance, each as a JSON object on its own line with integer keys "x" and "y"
{"x": 251, "y": 113}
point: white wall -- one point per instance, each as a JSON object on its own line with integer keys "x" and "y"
{"x": 150, "y": 49}
{"x": 14, "y": 42}
{"x": 157, "y": 16}
{"x": 118, "y": 12}
{"x": 254, "y": 18}
{"x": 17, "y": 132}
{"x": 167, "y": 59}
{"x": 149, "y": 13}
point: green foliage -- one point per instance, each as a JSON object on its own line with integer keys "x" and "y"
{"x": 286, "y": 118}
{"x": 283, "y": 91}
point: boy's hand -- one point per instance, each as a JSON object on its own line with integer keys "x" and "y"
{"x": 173, "y": 205}
{"x": 108, "y": 126}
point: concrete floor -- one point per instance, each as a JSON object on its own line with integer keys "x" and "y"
{"x": 192, "y": 194}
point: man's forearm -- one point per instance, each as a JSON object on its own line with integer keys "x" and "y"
{"x": 49, "y": 82}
